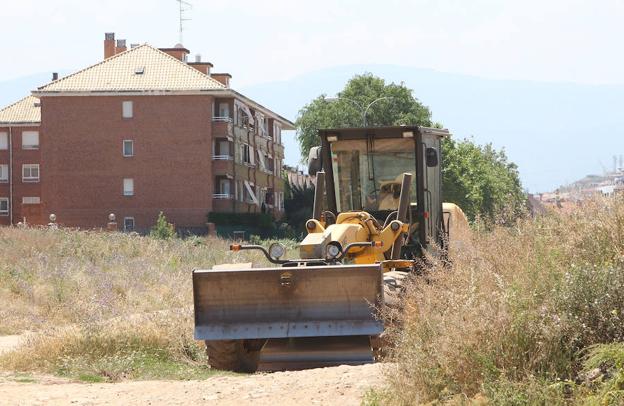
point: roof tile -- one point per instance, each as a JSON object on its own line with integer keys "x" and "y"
{"x": 24, "y": 111}
{"x": 122, "y": 72}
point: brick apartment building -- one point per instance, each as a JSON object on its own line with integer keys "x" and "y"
{"x": 141, "y": 132}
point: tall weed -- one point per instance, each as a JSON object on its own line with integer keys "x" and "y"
{"x": 104, "y": 305}
{"x": 515, "y": 311}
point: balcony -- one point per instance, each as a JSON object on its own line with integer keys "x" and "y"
{"x": 223, "y": 196}
{"x": 222, "y": 158}
{"x": 222, "y": 127}
{"x": 223, "y": 166}
{"x": 279, "y": 150}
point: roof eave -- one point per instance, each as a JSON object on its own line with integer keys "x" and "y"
{"x": 20, "y": 123}
{"x": 287, "y": 124}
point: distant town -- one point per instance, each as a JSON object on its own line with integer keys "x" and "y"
{"x": 610, "y": 183}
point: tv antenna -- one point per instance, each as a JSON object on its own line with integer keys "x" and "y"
{"x": 184, "y": 7}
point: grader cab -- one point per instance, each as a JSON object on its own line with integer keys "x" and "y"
{"x": 377, "y": 211}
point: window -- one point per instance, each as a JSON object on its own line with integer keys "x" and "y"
{"x": 128, "y": 187}
{"x": 263, "y": 128}
{"x": 240, "y": 191}
{"x": 128, "y": 148}
{"x": 247, "y": 154}
{"x": 224, "y": 109}
{"x": 224, "y": 186}
{"x": 261, "y": 160}
{"x": 31, "y": 200}
{"x": 4, "y": 173}
{"x": 30, "y": 173}
{"x": 271, "y": 164}
{"x": 30, "y": 140}
{"x": 278, "y": 168}
{"x": 4, "y": 206}
{"x": 222, "y": 149}
{"x": 4, "y": 141}
{"x": 128, "y": 223}
{"x": 127, "y": 109}
{"x": 277, "y": 133}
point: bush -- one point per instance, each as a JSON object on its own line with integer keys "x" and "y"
{"x": 517, "y": 310}
{"x": 162, "y": 229}
{"x": 298, "y": 206}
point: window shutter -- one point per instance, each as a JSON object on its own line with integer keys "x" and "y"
{"x": 127, "y": 109}
{"x": 30, "y": 139}
{"x": 4, "y": 173}
{"x": 4, "y": 140}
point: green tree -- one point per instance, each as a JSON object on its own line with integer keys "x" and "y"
{"x": 479, "y": 179}
{"x": 298, "y": 204}
{"x": 162, "y": 229}
{"x": 392, "y": 105}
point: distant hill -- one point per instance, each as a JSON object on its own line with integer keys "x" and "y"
{"x": 13, "y": 90}
{"x": 555, "y": 132}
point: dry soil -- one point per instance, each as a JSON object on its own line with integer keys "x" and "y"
{"x": 342, "y": 385}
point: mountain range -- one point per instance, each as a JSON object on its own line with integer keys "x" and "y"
{"x": 555, "y": 132}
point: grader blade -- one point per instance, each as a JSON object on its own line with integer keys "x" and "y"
{"x": 315, "y": 352}
{"x": 287, "y": 302}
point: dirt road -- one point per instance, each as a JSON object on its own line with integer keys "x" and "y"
{"x": 343, "y": 385}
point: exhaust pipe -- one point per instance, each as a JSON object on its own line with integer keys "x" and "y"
{"x": 402, "y": 211}
{"x": 318, "y": 195}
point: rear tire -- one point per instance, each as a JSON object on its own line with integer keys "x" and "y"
{"x": 233, "y": 355}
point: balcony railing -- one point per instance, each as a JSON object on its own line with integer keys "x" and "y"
{"x": 222, "y": 196}
{"x": 222, "y": 158}
{"x": 224, "y": 119}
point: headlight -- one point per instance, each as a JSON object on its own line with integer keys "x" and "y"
{"x": 276, "y": 250}
{"x": 333, "y": 250}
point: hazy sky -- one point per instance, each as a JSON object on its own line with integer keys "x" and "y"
{"x": 262, "y": 41}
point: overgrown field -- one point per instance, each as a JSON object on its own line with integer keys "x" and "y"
{"x": 530, "y": 314}
{"x": 104, "y": 306}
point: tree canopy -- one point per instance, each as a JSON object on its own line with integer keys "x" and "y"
{"x": 479, "y": 179}
{"x": 392, "y": 104}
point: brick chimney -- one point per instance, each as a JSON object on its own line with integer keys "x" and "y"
{"x": 203, "y": 67}
{"x": 109, "y": 44}
{"x": 178, "y": 52}
{"x": 121, "y": 46}
{"x": 222, "y": 77}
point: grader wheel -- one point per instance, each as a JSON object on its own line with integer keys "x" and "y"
{"x": 233, "y": 355}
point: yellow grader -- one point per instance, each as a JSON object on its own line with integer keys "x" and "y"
{"x": 377, "y": 213}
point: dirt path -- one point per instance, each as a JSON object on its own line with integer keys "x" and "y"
{"x": 343, "y": 385}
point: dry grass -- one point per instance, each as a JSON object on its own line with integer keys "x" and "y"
{"x": 515, "y": 315}
{"x": 104, "y": 305}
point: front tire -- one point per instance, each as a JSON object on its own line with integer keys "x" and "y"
{"x": 233, "y": 355}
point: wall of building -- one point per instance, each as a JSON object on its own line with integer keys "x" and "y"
{"x": 83, "y": 166}
{"x": 18, "y": 210}
{"x": 260, "y": 177}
